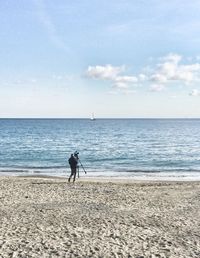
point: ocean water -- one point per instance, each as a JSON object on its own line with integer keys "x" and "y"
{"x": 140, "y": 148}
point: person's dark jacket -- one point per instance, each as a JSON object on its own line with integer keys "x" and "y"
{"x": 72, "y": 162}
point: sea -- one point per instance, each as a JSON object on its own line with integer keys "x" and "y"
{"x": 157, "y": 149}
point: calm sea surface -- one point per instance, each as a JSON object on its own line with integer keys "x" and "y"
{"x": 108, "y": 147}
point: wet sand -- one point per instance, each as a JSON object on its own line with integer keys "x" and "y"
{"x": 47, "y": 217}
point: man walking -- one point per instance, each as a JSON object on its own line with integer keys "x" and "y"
{"x": 73, "y": 164}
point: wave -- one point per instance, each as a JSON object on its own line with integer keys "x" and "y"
{"x": 104, "y": 169}
{"x": 160, "y": 171}
{"x": 13, "y": 171}
{"x": 17, "y": 168}
{"x": 136, "y": 175}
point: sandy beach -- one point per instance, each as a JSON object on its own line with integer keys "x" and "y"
{"x": 47, "y": 217}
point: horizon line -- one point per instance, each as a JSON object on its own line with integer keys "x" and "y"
{"x": 98, "y": 118}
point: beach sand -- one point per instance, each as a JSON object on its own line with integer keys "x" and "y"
{"x": 47, "y": 217}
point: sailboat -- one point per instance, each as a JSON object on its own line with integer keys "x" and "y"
{"x": 92, "y": 118}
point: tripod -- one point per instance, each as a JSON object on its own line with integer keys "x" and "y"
{"x": 78, "y": 161}
{"x": 77, "y": 168}
{"x": 82, "y": 166}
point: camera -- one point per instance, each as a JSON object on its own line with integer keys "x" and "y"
{"x": 76, "y": 154}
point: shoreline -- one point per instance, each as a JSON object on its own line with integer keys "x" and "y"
{"x": 149, "y": 177}
{"x": 135, "y": 175}
{"x": 113, "y": 179}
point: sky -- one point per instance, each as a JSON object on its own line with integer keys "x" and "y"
{"x": 116, "y": 59}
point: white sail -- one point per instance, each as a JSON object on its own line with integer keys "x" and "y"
{"x": 92, "y": 117}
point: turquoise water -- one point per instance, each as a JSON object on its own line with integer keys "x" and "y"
{"x": 107, "y": 147}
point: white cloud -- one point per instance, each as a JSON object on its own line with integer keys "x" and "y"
{"x": 126, "y": 79}
{"x": 142, "y": 77}
{"x": 160, "y": 78}
{"x": 120, "y": 85}
{"x": 113, "y": 74}
{"x": 173, "y": 58}
{"x": 107, "y": 72}
{"x": 170, "y": 70}
{"x": 157, "y": 87}
{"x": 195, "y": 93}
{"x": 167, "y": 69}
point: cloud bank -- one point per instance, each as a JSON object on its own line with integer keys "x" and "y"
{"x": 169, "y": 70}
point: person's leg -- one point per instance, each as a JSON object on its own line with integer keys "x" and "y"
{"x": 74, "y": 170}
{"x": 70, "y": 175}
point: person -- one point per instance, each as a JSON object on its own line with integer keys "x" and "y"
{"x": 73, "y": 164}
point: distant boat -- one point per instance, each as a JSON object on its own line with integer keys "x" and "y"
{"x": 92, "y": 118}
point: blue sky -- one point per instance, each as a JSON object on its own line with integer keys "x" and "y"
{"x": 114, "y": 58}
